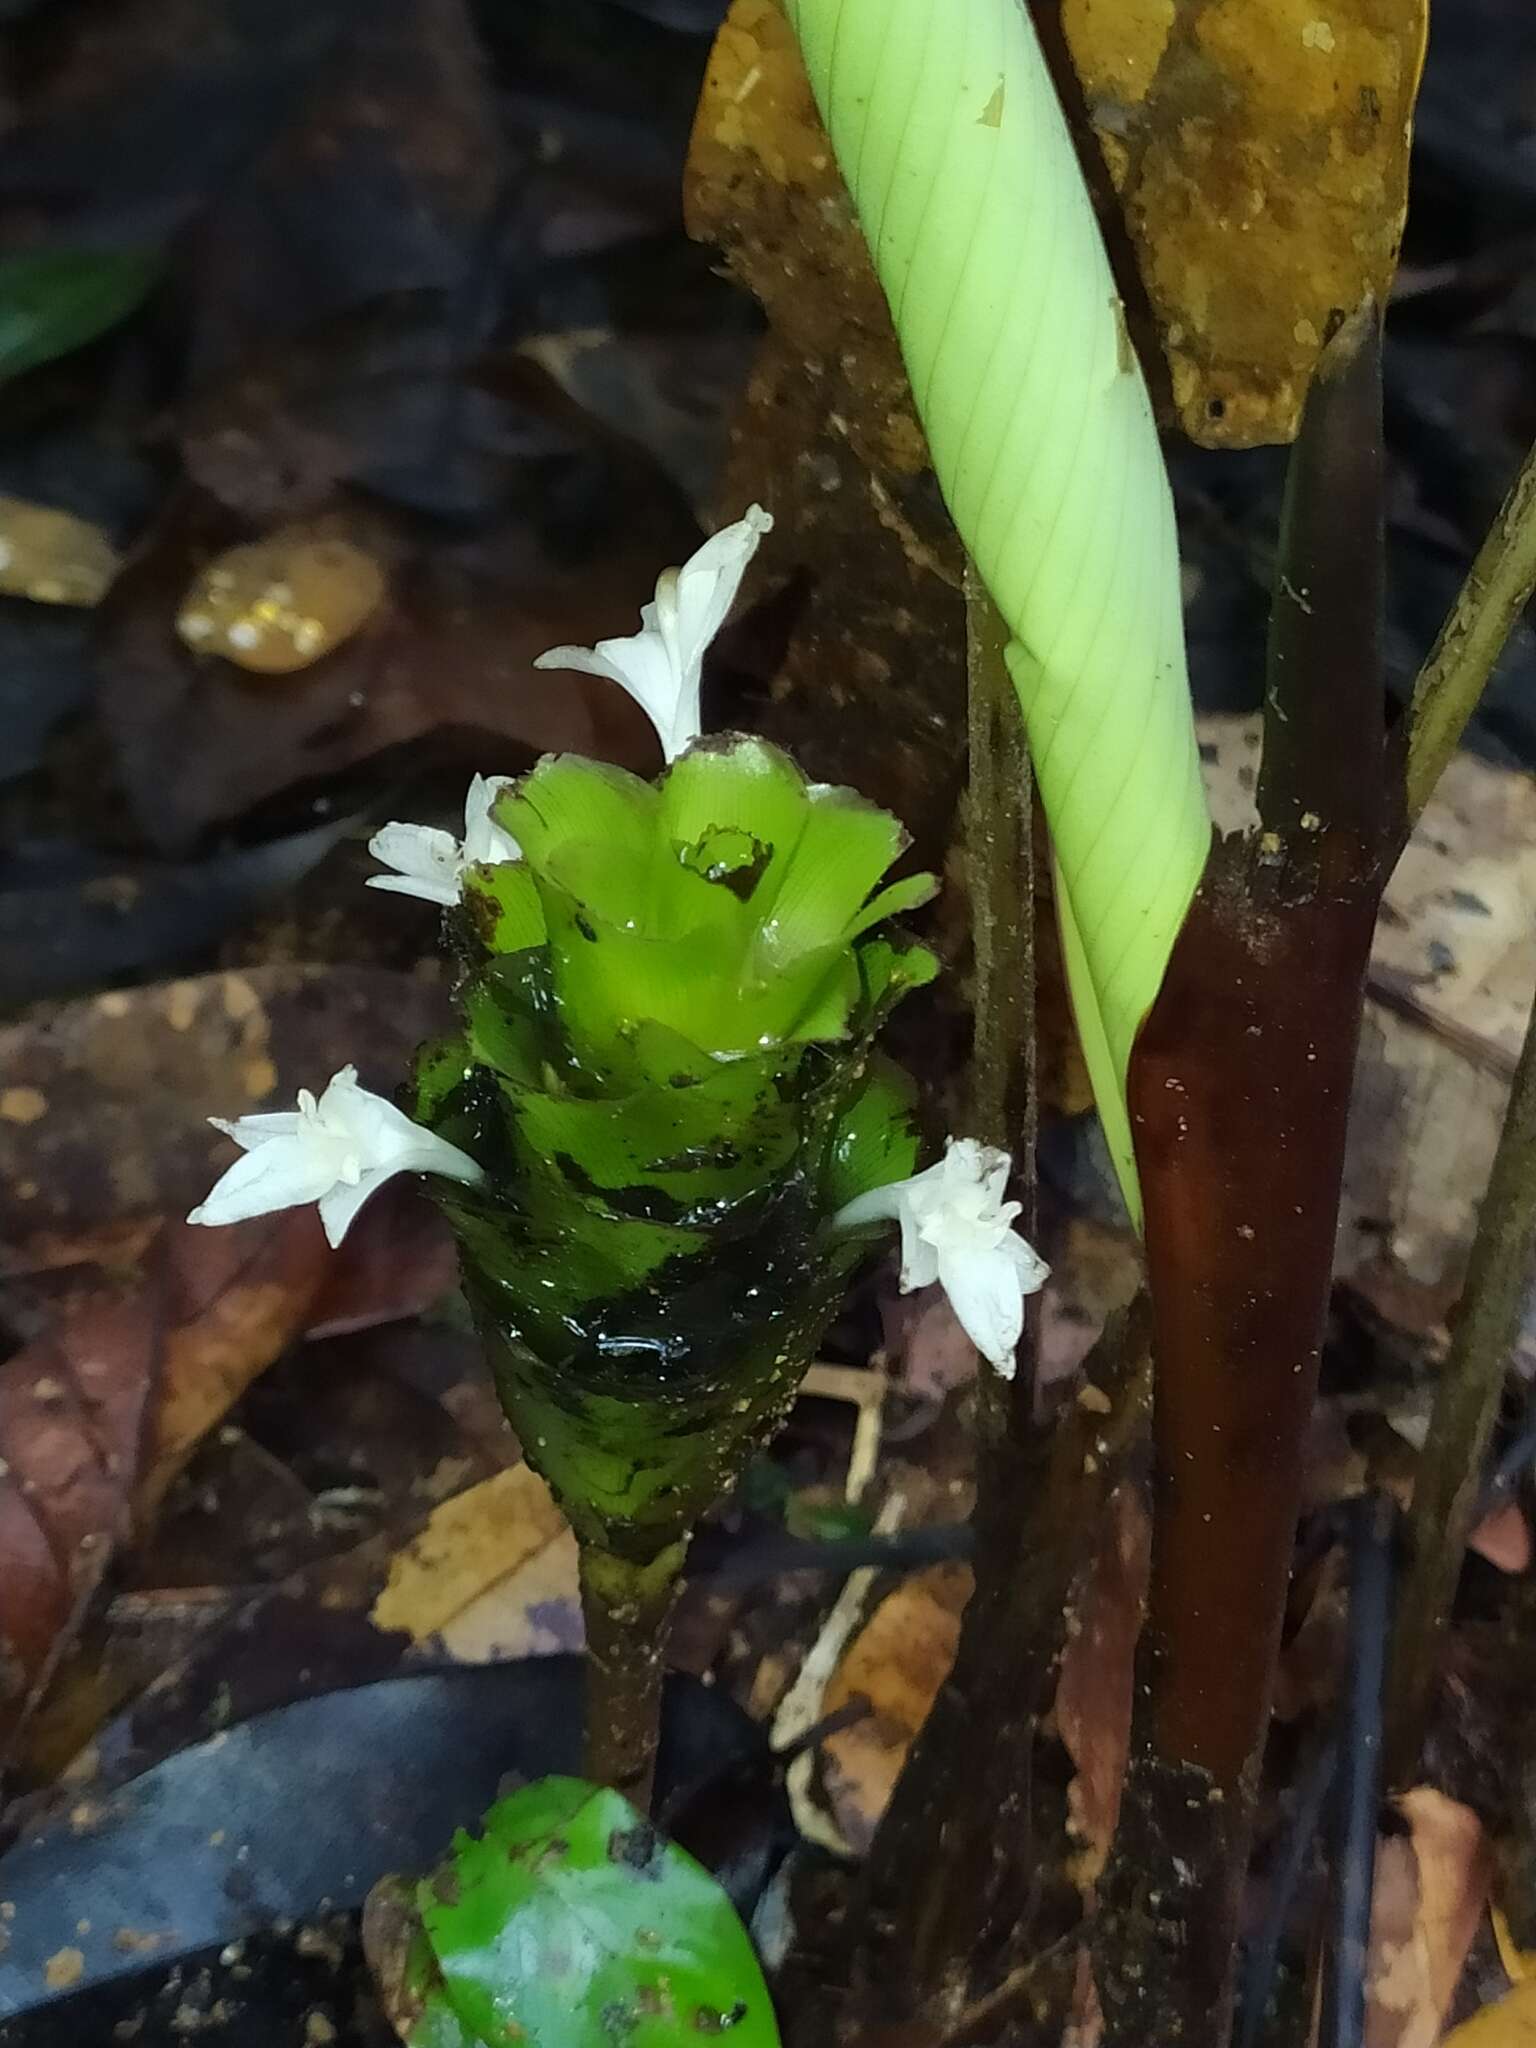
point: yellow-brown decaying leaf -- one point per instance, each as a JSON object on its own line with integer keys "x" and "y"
{"x": 281, "y": 604}
{"x": 53, "y": 557}
{"x": 897, "y": 1662}
{"x": 1511, "y": 2023}
{"x": 1260, "y": 150}
{"x": 484, "y": 1559}
{"x": 1431, "y": 1895}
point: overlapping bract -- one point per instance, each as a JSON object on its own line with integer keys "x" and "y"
{"x": 667, "y": 1071}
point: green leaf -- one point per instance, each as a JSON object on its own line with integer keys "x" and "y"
{"x": 846, "y": 847}
{"x": 567, "y": 801}
{"x": 875, "y": 1141}
{"x": 56, "y": 300}
{"x": 570, "y": 1923}
{"x": 712, "y": 1140}
{"x": 944, "y": 118}
{"x": 502, "y": 905}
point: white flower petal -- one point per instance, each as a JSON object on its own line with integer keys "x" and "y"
{"x": 662, "y": 665}
{"x": 425, "y": 859}
{"x": 707, "y": 584}
{"x": 985, "y": 1294}
{"x": 430, "y": 863}
{"x": 271, "y": 1177}
{"x": 444, "y": 893}
{"x": 1033, "y": 1272}
{"x": 957, "y": 1229}
{"x": 877, "y": 1205}
{"x": 250, "y": 1131}
{"x": 341, "y": 1205}
{"x": 336, "y": 1152}
{"x": 485, "y": 842}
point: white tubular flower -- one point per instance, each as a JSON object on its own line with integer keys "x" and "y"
{"x": 429, "y": 863}
{"x": 336, "y": 1152}
{"x": 662, "y": 666}
{"x": 957, "y": 1229}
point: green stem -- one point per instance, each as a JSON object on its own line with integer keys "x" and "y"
{"x": 1497, "y": 590}
{"x": 626, "y": 1607}
{"x": 1449, "y": 1478}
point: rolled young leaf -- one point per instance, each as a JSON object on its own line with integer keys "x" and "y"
{"x": 955, "y": 150}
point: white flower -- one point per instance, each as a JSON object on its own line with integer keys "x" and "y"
{"x": 430, "y": 864}
{"x": 662, "y": 665}
{"x": 957, "y": 1229}
{"x": 337, "y": 1152}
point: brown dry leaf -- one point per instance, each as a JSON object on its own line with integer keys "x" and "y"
{"x": 492, "y": 1575}
{"x": 872, "y": 690}
{"x": 1504, "y": 1539}
{"x": 281, "y": 604}
{"x": 1456, "y": 945}
{"x": 451, "y": 648}
{"x": 1095, "y": 1270}
{"x": 1093, "y": 1693}
{"x": 104, "y": 1102}
{"x": 1261, "y": 156}
{"x": 896, "y": 1662}
{"x": 53, "y": 557}
{"x": 1431, "y": 1894}
{"x": 98, "y": 1417}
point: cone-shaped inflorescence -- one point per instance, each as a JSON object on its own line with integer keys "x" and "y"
{"x": 666, "y": 1070}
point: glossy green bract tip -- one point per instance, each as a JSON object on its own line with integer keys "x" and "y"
{"x": 954, "y": 148}
{"x": 667, "y": 1071}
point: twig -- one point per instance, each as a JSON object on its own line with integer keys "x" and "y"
{"x": 1498, "y": 588}
{"x": 1262, "y": 1959}
{"x": 1000, "y": 871}
{"x": 1358, "y": 1785}
{"x": 1449, "y": 1479}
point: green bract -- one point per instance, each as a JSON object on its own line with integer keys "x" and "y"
{"x": 667, "y": 1071}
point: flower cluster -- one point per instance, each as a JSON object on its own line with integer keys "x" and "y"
{"x": 663, "y": 1126}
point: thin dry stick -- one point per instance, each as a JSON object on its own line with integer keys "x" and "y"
{"x": 1445, "y": 1492}
{"x": 1000, "y": 873}
{"x": 1497, "y": 590}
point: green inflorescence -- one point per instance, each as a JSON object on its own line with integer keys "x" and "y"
{"x": 667, "y": 1069}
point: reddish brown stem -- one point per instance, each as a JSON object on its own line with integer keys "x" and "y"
{"x": 1239, "y": 1095}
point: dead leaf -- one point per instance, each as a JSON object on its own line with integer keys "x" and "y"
{"x": 279, "y": 605}
{"x": 452, "y": 647}
{"x": 1095, "y": 1270}
{"x": 896, "y": 1662}
{"x": 872, "y": 689}
{"x": 1431, "y": 1894}
{"x": 1453, "y": 968}
{"x": 104, "y": 1104}
{"x": 1093, "y": 1693}
{"x": 1456, "y": 946}
{"x": 492, "y": 1575}
{"x": 54, "y": 557}
{"x": 1511, "y": 2023}
{"x": 1504, "y": 1539}
{"x": 98, "y": 1417}
{"x": 1261, "y": 157}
